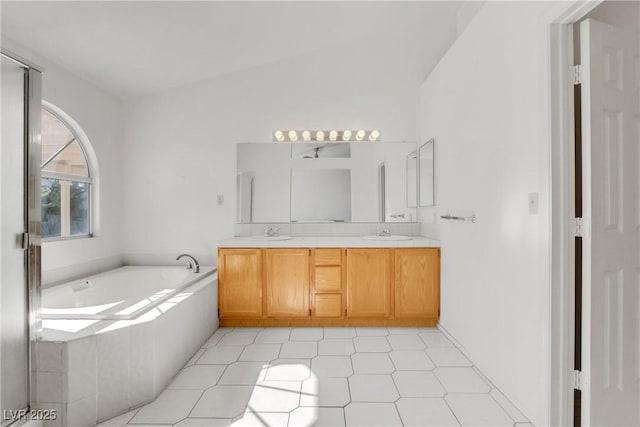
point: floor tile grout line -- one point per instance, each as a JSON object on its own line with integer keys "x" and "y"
{"x": 502, "y": 407}
{"x": 451, "y": 409}
{"x": 194, "y": 405}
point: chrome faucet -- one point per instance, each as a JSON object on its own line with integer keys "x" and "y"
{"x": 383, "y": 232}
{"x": 271, "y": 232}
{"x": 193, "y": 263}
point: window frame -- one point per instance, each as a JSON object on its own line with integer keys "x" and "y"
{"x": 89, "y": 179}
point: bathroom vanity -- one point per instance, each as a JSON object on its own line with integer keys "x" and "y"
{"x": 329, "y": 281}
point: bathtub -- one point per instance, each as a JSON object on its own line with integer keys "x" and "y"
{"x": 121, "y": 294}
{"x": 113, "y": 341}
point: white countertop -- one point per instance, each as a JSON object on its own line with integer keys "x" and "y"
{"x": 329, "y": 242}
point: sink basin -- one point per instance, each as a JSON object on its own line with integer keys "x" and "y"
{"x": 267, "y": 238}
{"x": 388, "y": 238}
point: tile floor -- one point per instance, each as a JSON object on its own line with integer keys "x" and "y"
{"x": 298, "y": 377}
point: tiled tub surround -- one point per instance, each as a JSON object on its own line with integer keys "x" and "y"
{"x": 93, "y": 370}
{"x": 297, "y": 377}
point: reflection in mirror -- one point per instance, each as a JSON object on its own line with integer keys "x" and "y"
{"x": 320, "y": 195}
{"x": 412, "y": 180}
{"x": 359, "y": 182}
{"x": 426, "y": 171}
{"x": 320, "y": 150}
{"x": 262, "y": 175}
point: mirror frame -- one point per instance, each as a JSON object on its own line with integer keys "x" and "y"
{"x": 416, "y": 198}
{"x": 420, "y": 172}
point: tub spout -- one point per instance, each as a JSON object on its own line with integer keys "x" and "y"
{"x": 193, "y": 263}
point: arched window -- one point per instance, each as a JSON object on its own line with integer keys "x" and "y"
{"x": 66, "y": 178}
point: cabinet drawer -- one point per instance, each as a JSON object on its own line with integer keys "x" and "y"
{"x": 331, "y": 256}
{"x": 328, "y": 278}
{"x": 328, "y": 305}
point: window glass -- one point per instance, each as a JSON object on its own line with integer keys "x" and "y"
{"x": 66, "y": 181}
{"x": 70, "y": 161}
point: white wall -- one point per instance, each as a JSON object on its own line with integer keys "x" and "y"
{"x": 179, "y": 149}
{"x": 486, "y": 104}
{"x": 99, "y": 115}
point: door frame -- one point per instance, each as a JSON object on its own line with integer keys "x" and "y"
{"x": 33, "y": 214}
{"x": 563, "y": 210}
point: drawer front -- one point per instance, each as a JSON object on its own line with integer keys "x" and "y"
{"x": 331, "y": 256}
{"x": 328, "y": 278}
{"x": 328, "y": 305}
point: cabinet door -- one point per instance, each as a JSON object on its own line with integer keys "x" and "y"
{"x": 368, "y": 282}
{"x": 417, "y": 282}
{"x": 328, "y": 305}
{"x": 287, "y": 282}
{"x": 240, "y": 282}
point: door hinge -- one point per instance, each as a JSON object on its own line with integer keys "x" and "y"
{"x": 218, "y": 313}
{"x": 577, "y": 380}
{"x": 577, "y": 74}
{"x": 579, "y": 227}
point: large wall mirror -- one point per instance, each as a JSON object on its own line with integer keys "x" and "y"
{"x": 426, "y": 172}
{"x": 326, "y": 182}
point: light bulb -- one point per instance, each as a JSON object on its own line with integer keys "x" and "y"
{"x": 279, "y": 135}
{"x": 359, "y": 135}
{"x": 306, "y": 135}
{"x": 374, "y": 135}
{"x": 346, "y": 135}
{"x": 293, "y": 136}
{"x": 320, "y": 136}
{"x": 333, "y": 135}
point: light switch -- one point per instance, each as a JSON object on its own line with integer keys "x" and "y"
{"x": 533, "y": 204}
{"x": 220, "y": 199}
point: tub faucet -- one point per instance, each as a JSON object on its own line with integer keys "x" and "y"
{"x": 193, "y": 263}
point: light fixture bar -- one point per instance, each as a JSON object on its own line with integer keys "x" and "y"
{"x": 331, "y": 135}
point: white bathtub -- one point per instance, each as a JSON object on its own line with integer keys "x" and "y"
{"x": 121, "y": 294}
{"x": 115, "y": 343}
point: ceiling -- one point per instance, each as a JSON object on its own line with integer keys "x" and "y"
{"x": 131, "y": 49}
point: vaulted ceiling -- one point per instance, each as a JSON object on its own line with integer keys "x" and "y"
{"x": 136, "y": 48}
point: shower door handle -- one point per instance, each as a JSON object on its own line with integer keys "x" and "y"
{"x": 22, "y": 241}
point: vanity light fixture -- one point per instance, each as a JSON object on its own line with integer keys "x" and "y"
{"x": 332, "y": 135}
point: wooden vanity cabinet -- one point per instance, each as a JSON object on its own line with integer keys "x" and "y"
{"x": 368, "y": 283}
{"x": 329, "y": 286}
{"x": 417, "y": 283}
{"x": 287, "y": 282}
{"x": 240, "y": 283}
{"x": 328, "y": 279}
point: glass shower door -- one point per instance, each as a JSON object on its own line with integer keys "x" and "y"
{"x": 14, "y": 314}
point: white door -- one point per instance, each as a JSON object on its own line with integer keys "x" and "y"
{"x": 611, "y": 207}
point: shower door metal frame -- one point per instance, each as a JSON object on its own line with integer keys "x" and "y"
{"x": 32, "y": 209}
